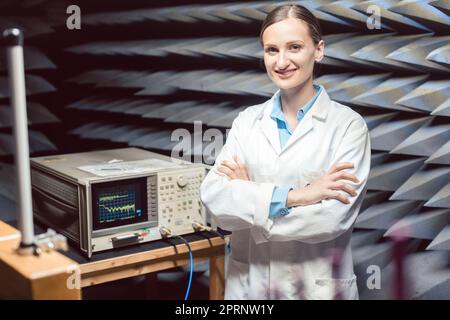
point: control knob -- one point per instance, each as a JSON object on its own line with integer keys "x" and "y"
{"x": 182, "y": 181}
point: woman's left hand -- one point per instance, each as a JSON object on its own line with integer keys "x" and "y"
{"x": 234, "y": 169}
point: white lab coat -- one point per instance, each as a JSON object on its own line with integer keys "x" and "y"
{"x": 289, "y": 257}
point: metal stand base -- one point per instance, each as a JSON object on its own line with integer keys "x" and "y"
{"x": 28, "y": 250}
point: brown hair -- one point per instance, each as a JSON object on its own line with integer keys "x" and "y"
{"x": 293, "y": 11}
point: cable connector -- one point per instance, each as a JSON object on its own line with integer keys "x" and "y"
{"x": 197, "y": 226}
{"x": 165, "y": 232}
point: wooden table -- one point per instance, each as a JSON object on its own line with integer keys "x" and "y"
{"x": 144, "y": 259}
{"x": 149, "y": 258}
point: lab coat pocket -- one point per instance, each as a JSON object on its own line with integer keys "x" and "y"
{"x": 237, "y": 280}
{"x": 329, "y": 289}
{"x": 306, "y": 176}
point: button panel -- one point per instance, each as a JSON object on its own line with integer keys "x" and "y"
{"x": 152, "y": 198}
{"x": 179, "y": 199}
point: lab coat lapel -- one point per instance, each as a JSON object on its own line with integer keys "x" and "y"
{"x": 301, "y": 130}
{"x": 269, "y": 127}
{"x": 319, "y": 110}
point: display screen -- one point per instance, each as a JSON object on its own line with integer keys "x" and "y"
{"x": 119, "y": 203}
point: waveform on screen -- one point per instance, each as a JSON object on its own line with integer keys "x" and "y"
{"x": 122, "y": 209}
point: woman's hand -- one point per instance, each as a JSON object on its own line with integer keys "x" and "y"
{"x": 233, "y": 169}
{"x": 326, "y": 187}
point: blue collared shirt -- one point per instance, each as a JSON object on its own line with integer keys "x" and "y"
{"x": 280, "y": 193}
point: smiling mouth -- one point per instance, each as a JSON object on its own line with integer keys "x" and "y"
{"x": 285, "y": 74}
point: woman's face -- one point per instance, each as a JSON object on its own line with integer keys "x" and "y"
{"x": 290, "y": 53}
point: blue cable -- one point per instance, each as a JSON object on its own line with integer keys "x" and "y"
{"x": 191, "y": 259}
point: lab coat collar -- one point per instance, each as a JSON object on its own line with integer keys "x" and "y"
{"x": 319, "y": 110}
{"x": 277, "y": 113}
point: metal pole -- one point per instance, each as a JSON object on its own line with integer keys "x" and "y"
{"x": 336, "y": 263}
{"x": 13, "y": 39}
{"x": 399, "y": 252}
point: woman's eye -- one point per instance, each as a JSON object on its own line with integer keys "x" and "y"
{"x": 296, "y": 47}
{"x": 271, "y": 50}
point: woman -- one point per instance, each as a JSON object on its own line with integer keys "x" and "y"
{"x": 291, "y": 177}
